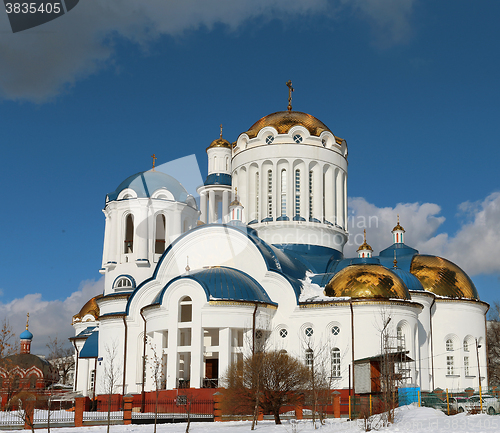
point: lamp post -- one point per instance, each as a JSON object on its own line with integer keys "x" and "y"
{"x": 479, "y": 374}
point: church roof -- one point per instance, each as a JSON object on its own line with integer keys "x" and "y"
{"x": 283, "y": 121}
{"x": 222, "y": 283}
{"x": 91, "y": 347}
{"x": 146, "y": 183}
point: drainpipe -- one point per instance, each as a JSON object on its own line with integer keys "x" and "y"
{"x": 124, "y": 354}
{"x": 352, "y": 345}
{"x": 143, "y": 399}
{"x": 76, "y": 364}
{"x": 432, "y": 342}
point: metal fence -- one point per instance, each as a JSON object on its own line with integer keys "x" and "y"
{"x": 11, "y": 418}
{"x": 177, "y": 409}
{"x": 99, "y": 415}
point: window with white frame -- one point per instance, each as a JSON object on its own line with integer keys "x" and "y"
{"x": 161, "y": 227}
{"x": 309, "y": 357}
{"x": 269, "y": 193}
{"x": 309, "y": 332}
{"x": 466, "y": 346}
{"x": 335, "y": 330}
{"x": 335, "y": 362}
{"x": 269, "y": 139}
{"x": 466, "y": 366}
{"x": 123, "y": 283}
{"x": 449, "y": 345}
{"x": 450, "y": 367}
{"x": 283, "y": 333}
{"x": 283, "y": 192}
{"x": 129, "y": 234}
{"x": 297, "y": 192}
{"x": 297, "y": 138}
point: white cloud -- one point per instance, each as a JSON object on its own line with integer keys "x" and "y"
{"x": 48, "y": 318}
{"x": 39, "y": 63}
{"x": 475, "y": 247}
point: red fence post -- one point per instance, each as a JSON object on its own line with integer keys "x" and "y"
{"x": 336, "y": 404}
{"x": 299, "y": 414}
{"x": 217, "y": 406}
{"x": 79, "y": 408}
{"x": 29, "y": 413}
{"x": 127, "y": 409}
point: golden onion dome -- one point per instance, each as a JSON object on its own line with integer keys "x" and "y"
{"x": 220, "y": 142}
{"x": 283, "y": 121}
{"x": 442, "y": 277}
{"x": 235, "y": 202}
{"x": 90, "y": 307}
{"x": 398, "y": 227}
{"x": 365, "y": 246}
{"x": 367, "y": 281}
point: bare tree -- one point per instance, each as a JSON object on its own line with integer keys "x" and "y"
{"x": 61, "y": 357}
{"x": 8, "y": 340}
{"x": 281, "y": 379}
{"x": 111, "y": 375}
{"x": 26, "y": 402}
{"x": 157, "y": 365}
{"x": 493, "y": 335}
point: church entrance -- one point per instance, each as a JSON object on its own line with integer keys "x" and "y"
{"x": 211, "y": 373}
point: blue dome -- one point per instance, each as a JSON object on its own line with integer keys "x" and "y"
{"x": 146, "y": 183}
{"x": 221, "y": 283}
{"x": 26, "y": 335}
{"x": 410, "y": 280}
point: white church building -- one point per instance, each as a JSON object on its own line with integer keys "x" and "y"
{"x": 261, "y": 257}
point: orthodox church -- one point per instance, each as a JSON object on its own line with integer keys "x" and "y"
{"x": 261, "y": 259}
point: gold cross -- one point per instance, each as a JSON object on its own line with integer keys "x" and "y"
{"x": 27, "y": 319}
{"x": 290, "y": 90}
{"x": 221, "y": 130}
{"x": 154, "y": 159}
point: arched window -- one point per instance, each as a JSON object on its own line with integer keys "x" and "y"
{"x": 466, "y": 346}
{"x": 283, "y": 192}
{"x": 297, "y": 192}
{"x": 309, "y": 357}
{"x": 123, "y": 283}
{"x": 270, "y": 193}
{"x": 186, "y": 309}
{"x": 129, "y": 234}
{"x": 466, "y": 366}
{"x": 335, "y": 362}
{"x": 257, "y": 193}
{"x": 449, "y": 345}
{"x": 33, "y": 381}
{"x": 311, "y": 208}
{"x": 161, "y": 225}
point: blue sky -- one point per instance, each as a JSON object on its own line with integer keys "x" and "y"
{"x": 86, "y": 99}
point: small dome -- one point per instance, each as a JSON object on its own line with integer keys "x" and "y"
{"x": 365, "y": 246}
{"x": 90, "y": 307}
{"x": 442, "y": 277}
{"x": 26, "y": 335}
{"x": 283, "y": 121}
{"x": 146, "y": 183}
{"x": 220, "y": 142}
{"x": 398, "y": 227}
{"x": 367, "y": 281}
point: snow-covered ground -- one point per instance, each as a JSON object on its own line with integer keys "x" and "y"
{"x": 408, "y": 419}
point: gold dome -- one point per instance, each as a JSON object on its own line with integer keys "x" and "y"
{"x": 442, "y": 277}
{"x": 90, "y": 307}
{"x": 283, "y": 121}
{"x": 220, "y": 142}
{"x": 398, "y": 227}
{"x": 364, "y": 246}
{"x": 366, "y": 281}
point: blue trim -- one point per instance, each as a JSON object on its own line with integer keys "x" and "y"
{"x": 91, "y": 347}
{"x": 283, "y": 218}
{"x": 130, "y": 277}
{"x": 218, "y": 179}
{"x": 298, "y": 218}
{"x": 253, "y": 222}
{"x": 116, "y": 313}
{"x": 86, "y": 332}
{"x": 267, "y": 220}
{"x": 314, "y": 220}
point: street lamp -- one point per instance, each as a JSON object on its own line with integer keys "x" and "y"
{"x": 479, "y": 374}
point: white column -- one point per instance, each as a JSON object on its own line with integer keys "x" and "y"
{"x": 340, "y": 196}
{"x": 83, "y": 376}
{"x": 262, "y": 193}
{"x": 275, "y": 191}
{"x": 290, "y": 191}
{"x": 329, "y": 195}
{"x": 177, "y": 222}
{"x": 196, "y": 373}
{"x": 172, "y": 367}
{"x": 203, "y": 206}
{"x": 345, "y": 201}
{"x": 304, "y": 193}
{"x": 318, "y": 193}
{"x": 211, "y": 207}
{"x": 141, "y": 233}
{"x": 224, "y": 349}
{"x": 225, "y": 206}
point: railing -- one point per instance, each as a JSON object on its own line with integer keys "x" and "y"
{"x": 176, "y": 409}
{"x": 101, "y": 414}
{"x": 210, "y": 383}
